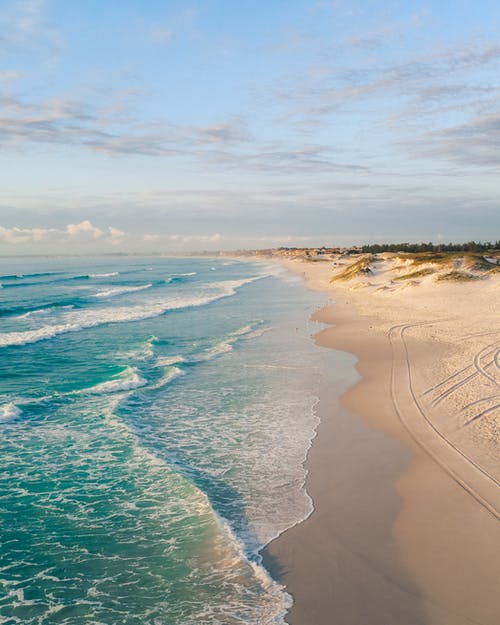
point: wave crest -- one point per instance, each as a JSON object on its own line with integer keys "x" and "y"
{"x": 9, "y": 412}
{"x": 128, "y": 380}
{"x": 120, "y": 290}
{"x": 103, "y": 275}
{"x": 79, "y": 320}
{"x": 174, "y": 372}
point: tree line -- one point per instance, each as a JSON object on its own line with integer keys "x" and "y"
{"x": 470, "y": 246}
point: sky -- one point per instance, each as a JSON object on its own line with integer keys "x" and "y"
{"x": 165, "y": 126}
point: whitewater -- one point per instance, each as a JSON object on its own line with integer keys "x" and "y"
{"x": 155, "y": 416}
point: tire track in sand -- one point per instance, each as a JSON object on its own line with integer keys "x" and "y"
{"x": 472, "y": 478}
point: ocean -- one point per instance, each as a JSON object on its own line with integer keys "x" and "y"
{"x": 155, "y": 415}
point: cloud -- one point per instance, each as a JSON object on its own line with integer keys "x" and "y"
{"x": 8, "y": 75}
{"x": 25, "y": 23}
{"x": 115, "y": 233}
{"x": 283, "y": 158}
{"x": 84, "y": 228}
{"x": 86, "y": 237}
{"x": 232, "y": 131}
{"x": 81, "y": 232}
{"x": 347, "y": 208}
{"x": 341, "y": 8}
{"x": 161, "y": 33}
{"x": 292, "y": 40}
{"x": 386, "y": 106}
{"x": 476, "y": 142}
{"x": 380, "y": 37}
{"x": 439, "y": 92}
{"x": 66, "y": 121}
{"x": 323, "y": 90}
{"x": 193, "y": 238}
{"x": 62, "y": 122}
{"x": 23, "y": 20}
{"x": 16, "y": 236}
{"x": 164, "y": 31}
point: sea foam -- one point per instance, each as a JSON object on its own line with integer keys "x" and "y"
{"x": 127, "y": 380}
{"x": 9, "y": 412}
{"x": 103, "y": 275}
{"x": 171, "y": 375}
{"x": 222, "y": 347}
{"x": 79, "y": 320}
{"x": 44, "y": 311}
{"x": 120, "y": 290}
{"x": 177, "y": 277}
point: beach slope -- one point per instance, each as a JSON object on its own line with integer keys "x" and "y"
{"x": 404, "y": 471}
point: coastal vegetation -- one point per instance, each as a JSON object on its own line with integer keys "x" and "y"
{"x": 420, "y": 259}
{"x": 479, "y": 263}
{"x": 457, "y": 276}
{"x": 410, "y": 267}
{"x": 420, "y": 273}
{"x": 470, "y": 246}
{"x": 359, "y": 267}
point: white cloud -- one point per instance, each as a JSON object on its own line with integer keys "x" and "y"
{"x": 8, "y": 74}
{"x": 26, "y": 235}
{"x": 115, "y": 233}
{"x": 83, "y": 232}
{"x": 85, "y": 228}
{"x": 85, "y": 237}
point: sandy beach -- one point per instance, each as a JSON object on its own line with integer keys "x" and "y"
{"x": 404, "y": 472}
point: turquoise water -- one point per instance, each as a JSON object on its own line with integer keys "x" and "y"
{"x": 155, "y": 414}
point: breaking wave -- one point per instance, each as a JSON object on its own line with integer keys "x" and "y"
{"x": 79, "y": 320}
{"x": 127, "y": 380}
{"x": 120, "y": 290}
{"x": 102, "y": 275}
{"x": 9, "y": 412}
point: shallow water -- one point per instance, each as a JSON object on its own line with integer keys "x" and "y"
{"x": 155, "y": 415}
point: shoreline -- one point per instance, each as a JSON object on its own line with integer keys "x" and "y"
{"x": 393, "y": 538}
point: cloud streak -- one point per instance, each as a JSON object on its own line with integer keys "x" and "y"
{"x": 69, "y": 122}
{"x": 336, "y": 87}
{"x": 476, "y": 142}
{"x": 66, "y": 122}
{"x": 406, "y": 102}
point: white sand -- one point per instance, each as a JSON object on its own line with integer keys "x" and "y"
{"x": 429, "y": 357}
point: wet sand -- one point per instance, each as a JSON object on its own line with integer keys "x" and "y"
{"x": 395, "y": 538}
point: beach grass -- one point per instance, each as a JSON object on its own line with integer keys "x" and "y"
{"x": 462, "y": 265}
{"x": 421, "y": 258}
{"x": 359, "y": 267}
{"x": 457, "y": 276}
{"x": 477, "y": 262}
{"x": 420, "y": 273}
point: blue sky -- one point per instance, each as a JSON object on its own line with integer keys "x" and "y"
{"x": 158, "y": 126}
